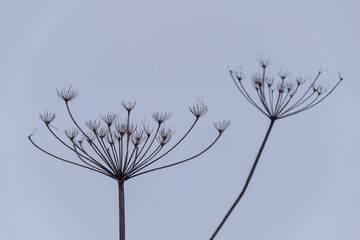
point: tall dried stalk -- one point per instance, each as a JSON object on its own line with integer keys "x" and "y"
{"x": 277, "y": 102}
{"x": 122, "y": 150}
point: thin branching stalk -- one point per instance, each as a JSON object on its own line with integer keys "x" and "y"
{"x": 247, "y": 181}
{"x": 275, "y": 102}
{"x": 122, "y": 150}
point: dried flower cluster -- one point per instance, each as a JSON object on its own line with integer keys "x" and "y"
{"x": 283, "y": 99}
{"x": 120, "y": 149}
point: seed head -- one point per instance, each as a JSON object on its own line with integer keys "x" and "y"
{"x": 283, "y": 74}
{"x": 164, "y": 136}
{"x": 263, "y": 62}
{"x": 128, "y": 105}
{"x": 81, "y": 140}
{"x": 199, "y": 109}
{"x": 221, "y": 126}
{"x": 67, "y": 94}
{"x": 257, "y": 80}
{"x": 161, "y": 117}
{"x": 109, "y": 119}
{"x": 93, "y": 125}
{"x": 281, "y": 87}
{"x": 279, "y": 101}
{"x": 120, "y": 128}
{"x": 289, "y": 86}
{"x": 239, "y": 75}
{"x": 137, "y": 138}
{"x": 102, "y": 132}
{"x": 269, "y": 81}
{"x": 321, "y": 89}
{"x": 300, "y": 80}
{"x": 47, "y": 117}
{"x": 72, "y": 133}
{"x": 147, "y": 130}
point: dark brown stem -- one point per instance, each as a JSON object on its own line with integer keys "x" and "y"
{"x": 121, "y": 210}
{"x": 247, "y": 181}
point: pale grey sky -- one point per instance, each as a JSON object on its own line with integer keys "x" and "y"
{"x": 165, "y": 55}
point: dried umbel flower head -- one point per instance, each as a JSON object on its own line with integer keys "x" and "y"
{"x": 263, "y": 62}
{"x": 129, "y": 105}
{"x": 93, "y": 125}
{"x": 109, "y": 119}
{"x": 161, "y": 117}
{"x": 67, "y": 94}
{"x": 199, "y": 109}
{"x": 47, "y": 117}
{"x": 117, "y": 149}
{"x": 221, "y": 126}
{"x": 72, "y": 133}
{"x": 147, "y": 130}
{"x": 284, "y": 98}
{"x": 164, "y": 136}
{"x": 102, "y": 132}
{"x": 137, "y": 137}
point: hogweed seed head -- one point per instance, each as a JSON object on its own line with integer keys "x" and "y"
{"x": 161, "y": 117}
{"x": 117, "y": 149}
{"x": 269, "y": 81}
{"x": 263, "y": 62}
{"x": 199, "y": 109}
{"x": 239, "y": 75}
{"x": 72, "y": 133}
{"x": 67, "y": 94}
{"x": 120, "y": 128}
{"x": 221, "y": 126}
{"x": 147, "y": 130}
{"x": 47, "y": 117}
{"x": 300, "y": 80}
{"x": 286, "y": 98}
{"x": 164, "y": 136}
{"x": 93, "y": 125}
{"x": 109, "y": 119}
{"x": 283, "y": 74}
{"x": 81, "y": 140}
{"x": 128, "y": 105}
{"x": 137, "y": 138}
{"x": 102, "y": 132}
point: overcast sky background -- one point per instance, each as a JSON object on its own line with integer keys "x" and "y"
{"x": 165, "y": 55}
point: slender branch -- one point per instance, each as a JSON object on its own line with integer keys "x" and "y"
{"x": 247, "y": 181}
{"x": 64, "y": 160}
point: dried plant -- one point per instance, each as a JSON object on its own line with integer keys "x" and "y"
{"x": 276, "y": 102}
{"x": 121, "y": 150}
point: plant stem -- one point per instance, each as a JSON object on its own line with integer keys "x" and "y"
{"x": 247, "y": 181}
{"x": 121, "y": 210}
